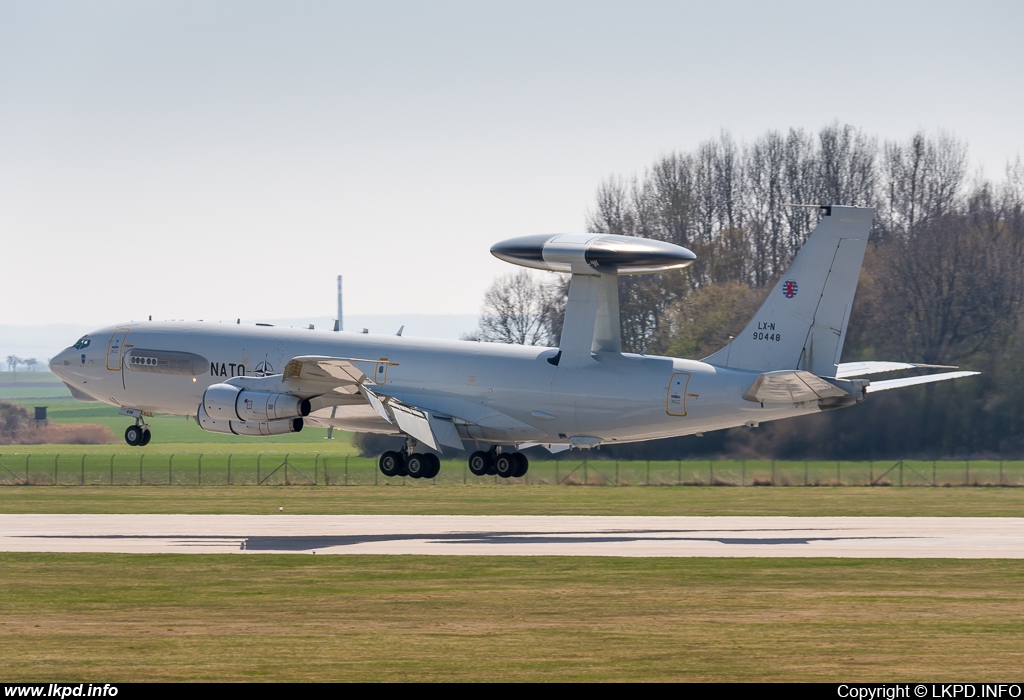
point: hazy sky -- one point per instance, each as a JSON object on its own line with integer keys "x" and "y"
{"x": 229, "y": 159}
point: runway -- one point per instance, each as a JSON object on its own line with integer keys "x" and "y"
{"x": 635, "y": 536}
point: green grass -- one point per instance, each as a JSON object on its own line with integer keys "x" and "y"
{"x": 336, "y": 463}
{"x": 117, "y": 618}
{"x": 418, "y": 498}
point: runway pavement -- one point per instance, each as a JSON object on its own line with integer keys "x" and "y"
{"x": 639, "y": 536}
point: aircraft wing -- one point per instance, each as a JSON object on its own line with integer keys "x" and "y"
{"x": 338, "y": 381}
{"x": 790, "y": 386}
{"x": 911, "y": 381}
{"x": 859, "y": 369}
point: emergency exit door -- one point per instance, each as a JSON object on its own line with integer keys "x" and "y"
{"x": 675, "y": 398}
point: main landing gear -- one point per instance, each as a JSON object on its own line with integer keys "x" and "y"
{"x": 426, "y": 465}
{"x": 507, "y": 465}
{"x": 418, "y": 465}
{"x": 138, "y": 435}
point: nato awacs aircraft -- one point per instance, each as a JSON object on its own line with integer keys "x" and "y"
{"x": 498, "y": 399}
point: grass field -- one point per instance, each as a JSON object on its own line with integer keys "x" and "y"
{"x": 109, "y": 618}
{"x": 417, "y": 498}
{"x": 373, "y": 618}
{"x": 336, "y": 463}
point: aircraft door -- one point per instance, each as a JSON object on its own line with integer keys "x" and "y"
{"x": 114, "y": 349}
{"x": 675, "y": 396}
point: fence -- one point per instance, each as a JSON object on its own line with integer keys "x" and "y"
{"x": 278, "y": 469}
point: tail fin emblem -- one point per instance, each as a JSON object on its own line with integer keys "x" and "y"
{"x": 789, "y": 289}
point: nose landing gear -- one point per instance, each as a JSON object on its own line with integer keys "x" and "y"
{"x": 138, "y": 435}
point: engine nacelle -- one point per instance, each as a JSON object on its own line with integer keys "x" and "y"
{"x": 224, "y": 402}
{"x": 245, "y": 427}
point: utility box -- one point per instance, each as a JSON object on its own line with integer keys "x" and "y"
{"x": 41, "y": 414}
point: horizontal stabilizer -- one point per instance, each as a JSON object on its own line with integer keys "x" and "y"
{"x": 790, "y": 386}
{"x": 859, "y": 369}
{"x": 911, "y": 381}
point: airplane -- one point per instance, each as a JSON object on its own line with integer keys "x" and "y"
{"x": 499, "y": 399}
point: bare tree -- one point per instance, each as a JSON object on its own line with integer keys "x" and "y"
{"x": 522, "y": 310}
{"x": 923, "y": 180}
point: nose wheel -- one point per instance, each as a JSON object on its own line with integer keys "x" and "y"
{"x": 137, "y": 435}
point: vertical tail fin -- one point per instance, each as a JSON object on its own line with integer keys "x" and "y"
{"x": 802, "y": 323}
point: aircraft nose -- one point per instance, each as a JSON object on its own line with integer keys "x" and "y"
{"x": 59, "y": 363}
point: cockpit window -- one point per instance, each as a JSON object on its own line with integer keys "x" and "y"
{"x": 81, "y": 344}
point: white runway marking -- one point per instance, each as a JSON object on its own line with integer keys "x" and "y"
{"x": 640, "y": 536}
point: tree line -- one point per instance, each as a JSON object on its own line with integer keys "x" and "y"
{"x": 942, "y": 282}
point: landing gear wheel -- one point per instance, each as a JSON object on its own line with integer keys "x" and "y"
{"x": 133, "y": 435}
{"x": 434, "y": 467}
{"x": 146, "y": 436}
{"x": 392, "y": 464}
{"x": 418, "y": 465}
{"x": 506, "y": 464}
{"x": 480, "y": 462}
{"x": 522, "y": 464}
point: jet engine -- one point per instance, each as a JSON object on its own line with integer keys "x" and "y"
{"x": 224, "y": 402}
{"x": 247, "y": 427}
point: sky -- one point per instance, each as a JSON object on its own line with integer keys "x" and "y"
{"x": 215, "y": 160}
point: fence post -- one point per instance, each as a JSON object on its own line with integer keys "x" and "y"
{"x": 82, "y": 483}
{"x": 170, "y": 462}
{"x": 805, "y": 472}
{"x": 316, "y": 464}
{"x": 286, "y": 469}
{"x": 967, "y": 472}
{"x": 230, "y": 454}
{"x": 142, "y": 456}
{"x": 679, "y": 472}
{"x": 648, "y": 473}
{"x": 839, "y": 479}
{"x": 26, "y": 468}
{"x": 111, "y": 470}
{"x": 258, "y": 458}
{"x": 871, "y": 472}
{"x": 585, "y": 470}
{"x": 934, "y": 482}
{"x": 199, "y": 470}
{"x": 901, "y": 472}
{"x": 1000, "y": 472}
{"x": 773, "y": 472}
{"x": 616, "y": 472}
{"x": 56, "y": 457}
{"x": 346, "y": 470}
{"x": 743, "y": 473}
{"x": 558, "y": 480}
{"x": 711, "y": 472}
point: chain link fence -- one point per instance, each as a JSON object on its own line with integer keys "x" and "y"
{"x": 311, "y": 469}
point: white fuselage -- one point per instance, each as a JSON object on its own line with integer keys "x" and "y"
{"x": 501, "y": 394}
